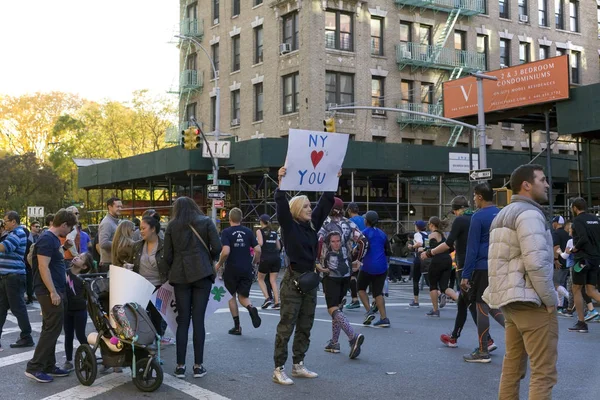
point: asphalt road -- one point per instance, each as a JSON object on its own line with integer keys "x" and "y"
{"x": 406, "y": 361}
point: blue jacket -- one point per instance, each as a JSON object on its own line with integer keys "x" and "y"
{"x": 12, "y": 261}
{"x": 478, "y": 242}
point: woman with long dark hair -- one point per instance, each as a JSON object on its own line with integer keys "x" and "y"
{"x": 300, "y": 226}
{"x": 191, "y": 245}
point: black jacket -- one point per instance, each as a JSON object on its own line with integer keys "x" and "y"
{"x": 138, "y": 248}
{"x": 185, "y": 258}
{"x": 300, "y": 238}
{"x": 586, "y": 237}
{"x": 76, "y": 300}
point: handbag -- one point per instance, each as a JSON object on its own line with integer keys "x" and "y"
{"x": 307, "y": 281}
{"x": 206, "y": 247}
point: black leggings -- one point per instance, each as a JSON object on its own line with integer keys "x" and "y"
{"x": 415, "y": 274}
{"x": 75, "y": 322}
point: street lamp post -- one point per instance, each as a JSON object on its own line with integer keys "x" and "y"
{"x": 481, "y": 117}
{"x": 217, "y": 117}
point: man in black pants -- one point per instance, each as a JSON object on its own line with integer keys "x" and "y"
{"x": 458, "y": 239}
{"x": 49, "y": 285}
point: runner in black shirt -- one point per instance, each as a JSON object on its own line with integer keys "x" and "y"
{"x": 270, "y": 263}
{"x": 560, "y": 237}
{"x": 237, "y": 241}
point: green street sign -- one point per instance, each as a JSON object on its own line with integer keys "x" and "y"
{"x": 221, "y": 182}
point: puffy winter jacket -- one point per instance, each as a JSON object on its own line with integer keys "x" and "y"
{"x": 521, "y": 259}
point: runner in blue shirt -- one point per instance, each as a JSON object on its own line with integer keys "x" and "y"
{"x": 374, "y": 271}
{"x": 237, "y": 241}
{"x": 353, "y": 216}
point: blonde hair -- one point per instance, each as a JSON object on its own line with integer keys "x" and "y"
{"x": 296, "y": 205}
{"x": 122, "y": 243}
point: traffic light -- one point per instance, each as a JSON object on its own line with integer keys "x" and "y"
{"x": 503, "y": 196}
{"x": 329, "y": 125}
{"x": 191, "y": 139}
{"x": 223, "y": 213}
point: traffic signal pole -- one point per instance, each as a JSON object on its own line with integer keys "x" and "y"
{"x": 217, "y": 116}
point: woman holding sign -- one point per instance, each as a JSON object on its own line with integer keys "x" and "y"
{"x": 300, "y": 225}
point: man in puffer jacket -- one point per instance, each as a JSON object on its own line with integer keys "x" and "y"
{"x": 521, "y": 264}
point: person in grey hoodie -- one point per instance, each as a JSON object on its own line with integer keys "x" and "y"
{"x": 106, "y": 231}
{"x": 520, "y": 272}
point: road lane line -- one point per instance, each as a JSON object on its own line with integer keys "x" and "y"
{"x": 192, "y": 390}
{"x": 101, "y": 385}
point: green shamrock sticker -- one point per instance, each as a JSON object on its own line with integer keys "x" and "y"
{"x": 218, "y": 293}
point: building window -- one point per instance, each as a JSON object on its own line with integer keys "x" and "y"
{"x": 190, "y": 112}
{"x": 460, "y": 41}
{"x": 235, "y": 107}
{"x": 215, "y": 57}
{"x": 507, "y": 125}
{"x": 258, "y": 44}
{"x": 575, "y": 60}
{"x": 190, "y": 62}
{"x": 544, "y": 52}
{"x": 378, "y": 139}
{"x": 213, "y": 113}
{"x": 504, "y": 6}
{"x": 425, "y": 35}
{"x": 291, "y": 93}
{"x": 257, "y": 2}
{"x": 524, "y": 52}
{"x": 483, "y": 47}
{"x": 338, "y": 30}
{"x": 236, "y": 8}
{"x": 258, "y": 102}
{"x": 543, "y": 12}
{"x": 339, "y": 88}
{"x": 504, "y": 53}
{"x": 426, "y": 142}
{"x": 523, "y": 7}
{"x": 560, "y": 52}
{"x": 290, "y": 30}
{"x": 406, "y": 32}
{"x": 406, "y": 90}
{"x": 215, "y": 11}
{"x": 559, "y": 14}
{"x": 235, "y": 53}
{"x": 574, "y": 16}
{"x": 427, "y": 93}
{"x": 376, "y": 36}
{"x": 192, "y": 11}
{"x": 377, "y": 94}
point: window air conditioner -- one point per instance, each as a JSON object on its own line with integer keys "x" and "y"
{"x": 523, "y": 18}
{"x": 235, "y": 122}
{"x": 285, "y": 48}
{"x": 379, "y": 112}
{"x": 216, "y": 21}
{"x": 503, "y": 65}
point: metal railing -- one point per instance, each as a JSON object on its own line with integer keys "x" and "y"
{"x": 192, "y": 27}
{"x": 190, "y": 79}
{"x": 410, "y": 53}
{"x": 466, "y": 7}
{"x": 434, "y": 109}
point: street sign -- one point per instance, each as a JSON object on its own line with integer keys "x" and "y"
{"x": 458, "y": 163}
{"x": 221, "y": 182}
{"x": 213, "y": 188}
{"x": 35, "y": 212}
{"x": 218, "y": 203}
{"x": 220, "y": 149}
{"x": 216, "y": 195}
{"x": 480, "y": 175}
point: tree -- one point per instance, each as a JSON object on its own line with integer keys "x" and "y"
{"x": 26, "y": 122}
{"x": 28, "y": 182}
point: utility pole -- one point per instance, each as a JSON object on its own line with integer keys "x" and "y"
{"x": 217, "y": 117}
{"x": 481, "y": 117}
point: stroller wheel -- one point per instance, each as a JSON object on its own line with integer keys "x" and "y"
{"x": 86, "y": 367}
{"x": 148, "y": 377}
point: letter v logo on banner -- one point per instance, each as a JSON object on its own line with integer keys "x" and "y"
{"x": 465, "y": 93}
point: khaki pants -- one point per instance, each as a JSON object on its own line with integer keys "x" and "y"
{"x": 530, "y": 332}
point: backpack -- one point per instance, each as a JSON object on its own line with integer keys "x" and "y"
{"x": 133, "y": 323}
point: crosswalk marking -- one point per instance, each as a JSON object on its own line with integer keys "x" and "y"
{"x": 101, "y": 385}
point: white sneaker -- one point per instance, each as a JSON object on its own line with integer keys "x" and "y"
{"x": 300, "y": 371}
{"x": 279, "y": 376}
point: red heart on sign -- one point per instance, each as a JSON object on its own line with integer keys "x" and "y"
{"x": 316, "y": 157}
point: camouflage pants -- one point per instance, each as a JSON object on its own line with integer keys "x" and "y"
{"x": 297, "y": 310}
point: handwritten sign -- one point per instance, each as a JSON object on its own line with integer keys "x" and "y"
{"x": 314, "y": 160}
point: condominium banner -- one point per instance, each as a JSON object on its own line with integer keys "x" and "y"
{"x": 519, "y": 86}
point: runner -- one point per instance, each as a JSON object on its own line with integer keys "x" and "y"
{"x": 475, "y": 273}
{"x": 237, "y": 241}
{"x": 270, "y": 264}
{"x": 374, "y": 271}
{"x": 338, "y": 260}
{"x": 419, "y": 239}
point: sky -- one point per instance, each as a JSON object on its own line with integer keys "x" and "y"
{"x": 99, "y": 49}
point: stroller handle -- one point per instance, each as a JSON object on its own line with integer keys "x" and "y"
{"x": 93, "y": 276}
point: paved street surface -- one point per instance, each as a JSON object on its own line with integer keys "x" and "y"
{"x": 406, "y": 361}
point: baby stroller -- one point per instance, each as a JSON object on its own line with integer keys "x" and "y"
{"x": 144, "y": 360}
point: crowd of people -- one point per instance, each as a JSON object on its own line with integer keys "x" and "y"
{"x": 510, "y": 264}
